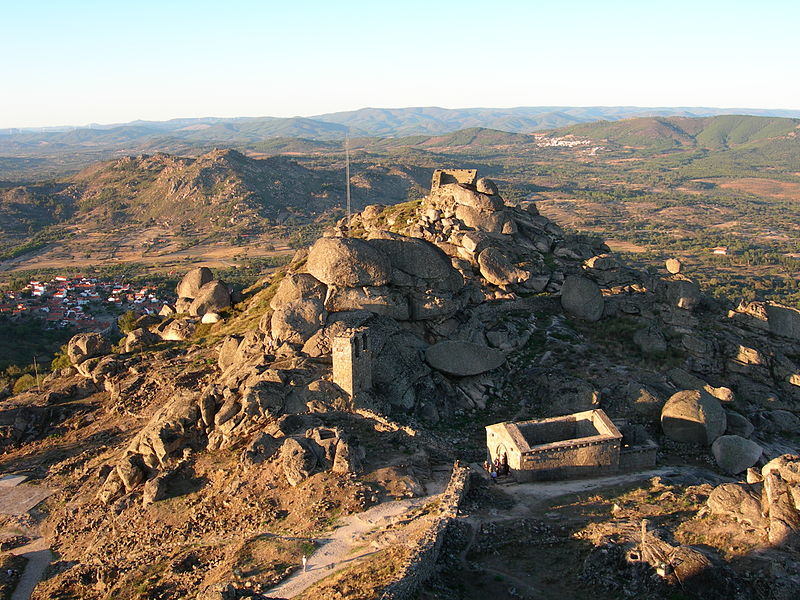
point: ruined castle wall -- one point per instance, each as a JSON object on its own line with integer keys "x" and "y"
{"x": 549, "y": 431}
{"x": 444, "y": 176}
{"x": 422, "y": 563}
{"x": 561, "y": 460}
{"x": 639, "y": 457}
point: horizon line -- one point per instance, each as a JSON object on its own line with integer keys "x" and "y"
{"x": 312, "y": 117}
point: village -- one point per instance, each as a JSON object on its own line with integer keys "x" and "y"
{"x": 85, "y": 303}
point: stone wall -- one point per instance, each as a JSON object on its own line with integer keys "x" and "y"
{"x": 445, "y": 176}
{"x": 352, "y": 363}
{"x": 562, "y": 460}
{"x": 638, "y": 457}
{"x": 422, "y": 562}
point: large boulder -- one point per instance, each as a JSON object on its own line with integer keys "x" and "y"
{"x": 486, "y": 186}
{"x": 178, "y": 330}
{"x": 673, "y": 265}
{"x": 84, "y": 346}
{"x": 138, "y": 339}
{"x": 497, "y": 269}
{"x": 783, "y": 320}
{"x": 737, "y": 500}
{"x": 644, "y": 401}
{"x": 381, "y": 300}
{"x": 193, "y": 281}
{"x": 582, "y": 298}
{"x": 298, "y": 286}
{"x": 650, "y": 340}
{"x": 398, "y": 368}
{"x": 564, "y": 395}
{"x": 735, "y": 454}
{"x": 787, "y": 466}
{"x": 777, "y": 421}
{"x": 693, "y": 417}
{"x": 492, "y": 221}
{"x": 348, "y": 262}
{"x": 297, "y": 459}
{"x": 228, "y": 352}
{"x": 475, "y": 199}
{"x": 211, "y": 297}
{"x": 297, "y": 321}
{"x": 463, "y": 358}
{"x": 683, "y": 293}
{"x": 413, "y": 256}
{"x": 738, "y": 424}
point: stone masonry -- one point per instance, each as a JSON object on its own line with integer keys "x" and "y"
{"x": 444, "y": 176}
{"x": 352, "y": 363}
{"x": 581, "y": 444}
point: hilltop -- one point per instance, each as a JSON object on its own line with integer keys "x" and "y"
{"x": 220, "y": 196}
{"x": 657, "y": 186}
{"x": 333, "y": 410}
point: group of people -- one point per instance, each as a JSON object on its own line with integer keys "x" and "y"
{"x": 498, "y": 468}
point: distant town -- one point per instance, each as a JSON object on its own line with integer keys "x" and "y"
{"x": 85, "y": 303}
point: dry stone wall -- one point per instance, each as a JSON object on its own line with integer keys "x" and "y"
{"x": 422, "y": 562}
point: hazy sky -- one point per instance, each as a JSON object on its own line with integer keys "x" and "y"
{"x": 79, "y": 61}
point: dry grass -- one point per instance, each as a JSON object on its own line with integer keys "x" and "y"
{"x": 767, "y": 188}
{"x": 363, "y": 581}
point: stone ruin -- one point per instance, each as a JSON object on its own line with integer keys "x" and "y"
{"x": 444, "y": 176}
{"x": 352, "y": 366}
{"x": 582, "y": 444}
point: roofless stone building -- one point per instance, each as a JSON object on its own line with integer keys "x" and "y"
{"x": 583, "y": 444}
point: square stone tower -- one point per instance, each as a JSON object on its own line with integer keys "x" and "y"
{"x": 352, "y": 361}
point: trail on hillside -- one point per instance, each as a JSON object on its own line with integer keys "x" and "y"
{"x": 39, "y": 556}
{"x": 337, "y": 549}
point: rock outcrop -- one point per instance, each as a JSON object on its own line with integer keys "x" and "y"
{"x": 84, "y": 346}
{"x": 771, "y": 501}
{"x": 193, "y": 281}
{"x": 693, "y": 416}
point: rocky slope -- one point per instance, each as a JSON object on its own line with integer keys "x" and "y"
{"x": 221, "y": 191}
{"x": 205, "y": 431}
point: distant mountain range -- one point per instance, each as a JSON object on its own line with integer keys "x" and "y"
{"x": 392, "y": 122}
{"x": 39, "y": 155}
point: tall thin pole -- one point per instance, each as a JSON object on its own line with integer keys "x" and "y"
{"x": 36, "y": 370}
{"x": 347, "y": 175}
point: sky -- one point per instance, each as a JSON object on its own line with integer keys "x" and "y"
{"x": 79, "y": 61}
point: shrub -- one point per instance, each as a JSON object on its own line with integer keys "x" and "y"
{"x": 60, "y": 360}
{"x": 127, "y": 322}
{"x": 25, "y": 382}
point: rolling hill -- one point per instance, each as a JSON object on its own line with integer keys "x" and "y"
{"x": 29, "y": 155}
{"x": 716, "y": 133}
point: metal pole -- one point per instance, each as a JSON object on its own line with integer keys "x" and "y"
{"x": 36, "y": 370}
{"x": 347, "y": 174}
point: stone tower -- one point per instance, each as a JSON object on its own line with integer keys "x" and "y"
{"x": 352, "y": 362}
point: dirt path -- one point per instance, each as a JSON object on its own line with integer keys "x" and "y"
{"x": 39, "y": 557}
{"x": 338, "y": 548}
{"x": 524, "y": 493}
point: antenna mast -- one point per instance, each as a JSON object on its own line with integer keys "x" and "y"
{"x": 347, "y": 175}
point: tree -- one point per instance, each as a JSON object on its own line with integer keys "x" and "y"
{"x": 127, "y": 322}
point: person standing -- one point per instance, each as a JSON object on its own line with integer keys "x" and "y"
{"x": 305, "y": 563}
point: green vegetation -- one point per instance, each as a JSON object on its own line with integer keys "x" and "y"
{"x": 127, "y": 322}
{"x": 21, "y": 341}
